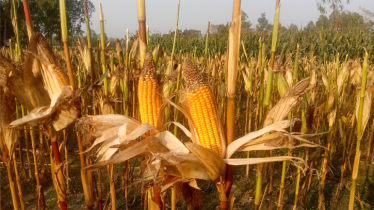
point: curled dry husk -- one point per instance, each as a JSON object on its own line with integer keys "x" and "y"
{"x": 61, "y": 113}
{"x": 157, "y": 53}
{"x": 342, "y": 81}
{"x": 85, "y": 55}
{"x": 27, "y": 89}
{"x": 63, "y": 108}
{"x": 287, "y": 102}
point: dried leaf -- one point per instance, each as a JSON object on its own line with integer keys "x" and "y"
{"x": 250, "y": 161}
{"x": 279, "y": 126}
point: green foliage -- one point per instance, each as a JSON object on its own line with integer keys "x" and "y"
{"x": 45, "y": 17}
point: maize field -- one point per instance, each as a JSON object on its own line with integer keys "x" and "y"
{"x": 243, "y": 120}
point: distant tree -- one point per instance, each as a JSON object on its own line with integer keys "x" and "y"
{"x": 310, "y": 26}
{"x": 263, "y": 23}
{"x": 46, "y": 16}
{"x": 333, "y": 4}
{"x": 352, "y": 21}
{"x": 322, "y": 22}
{"x": 293, "y": 28}
{"x": 189, "y": 33}
{"x": 246, "y": 24}
{"x": 219, "y": 30}
{"x": 369, "y": 18}
{"x": 281, "y": 29}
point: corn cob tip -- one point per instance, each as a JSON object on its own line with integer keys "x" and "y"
{"x": 149, "y": 68}
{"x": 192, "y": 78}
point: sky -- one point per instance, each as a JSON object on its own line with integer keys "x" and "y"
{"x": 195, "y": 14}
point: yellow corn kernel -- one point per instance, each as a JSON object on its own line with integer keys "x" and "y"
{"x": 205, "y": 119}
{"x": 149, "y": 100}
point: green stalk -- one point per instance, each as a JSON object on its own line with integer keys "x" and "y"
{"x": 175, "y": 33}
{"x": 126, "y": 77}
{"x": 260, "y": 69}
{"x": 283, "y": 178}
{"x": 147, "y": 35}
{"x": 176, "y": 102}
{"x": 272, "y": 58}
{"x": 360, "y": 132}
{"x": 102, "y": 33}
{"x": 303, "y": 130}
{"x": 206, "y": 41}
{"x": 10, "y": 49}
{"x": 27, "y": 143}
{"x": 296, "y": 66}
{"x": 64, "y": 33}
{"x": 259, "y": 175}
{"x": 266, "y": 104}
{"x": 16, "y": 31}
{"x": 89, "y": 42}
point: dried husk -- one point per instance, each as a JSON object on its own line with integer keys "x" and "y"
{"x": 134, "y": 49}
{"x": 278, "y": 126}
{"x": 157, "y": 53}
{"x": 247, "y": 83}
{"x": 287, "y": 102}
{"x": 115, "y": 82}
{"x": 119, "y": 51}
{"x": 331, "y": 117}
{"x": 324, "y": 79}
{"x": 355, "y": 73}
{"x": 233, "y": 52}
{"x": 85, "y": 55}
{"x": 28, "y": 90}
{"x": 62, "y": 111}
{"x": 187, "y": 166}
{"x": 366, "y": 109}
{"x": 53, "y": 77}
{"x": 214, "y": 165}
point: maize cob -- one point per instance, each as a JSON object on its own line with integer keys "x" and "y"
{"x": 149, "y": 99}
{"x": 203, "y": 110}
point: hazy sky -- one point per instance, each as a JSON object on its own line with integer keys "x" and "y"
{"x": 195, "y": 14}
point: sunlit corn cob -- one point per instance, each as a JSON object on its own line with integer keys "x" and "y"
{"x": 149, "y": 99}
{"x": 202, "y": 108}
